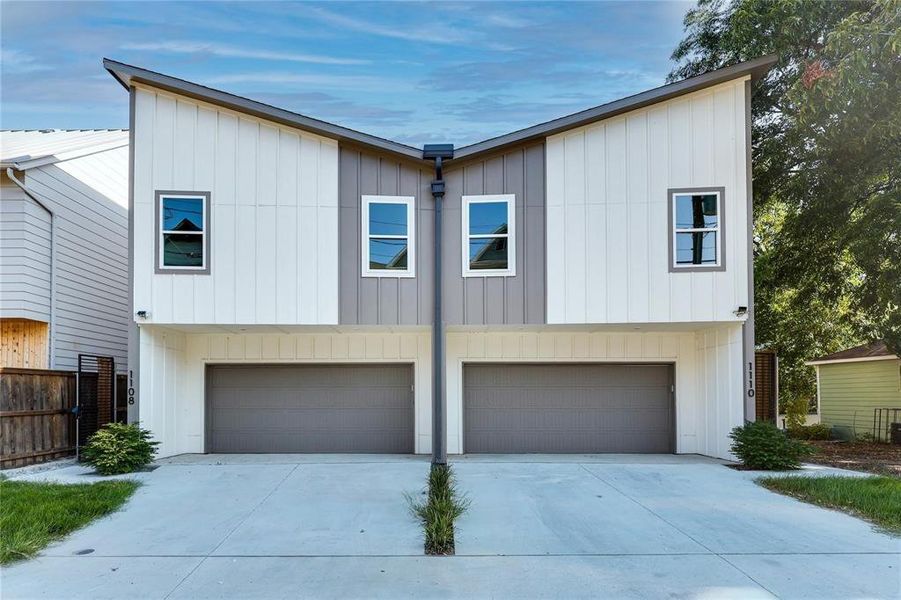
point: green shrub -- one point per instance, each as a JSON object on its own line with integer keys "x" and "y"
{"x": 762, "y": 445}
{"x": 819, "y": 431}
{"x": 796, "y": 411}
{"x": 439, "y": 511}
{"x": 119, "y": 448}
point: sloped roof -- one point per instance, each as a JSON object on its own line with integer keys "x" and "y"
{"x": 130, "y": 74}
{"x": 24, "y": 149}
{"x": 872, "y": 351}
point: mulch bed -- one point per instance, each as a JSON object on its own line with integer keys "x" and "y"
{"x": 882, "y": 459}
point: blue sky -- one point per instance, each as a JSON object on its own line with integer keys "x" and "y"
{"x": 413, "y": 72}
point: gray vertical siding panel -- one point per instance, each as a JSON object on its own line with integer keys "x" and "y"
{"x": 499, "y": 300}
{"x": 385, "y": 300}
{"x": 514, "y": 287}
{"x": 452, "y": 291}
{"x": 473, "y": 300}
{"x": 410, "y": 311}
{"x": 348, "y": 230}
{"x": 474, "y": 287}
{"x": 535, "y": 252}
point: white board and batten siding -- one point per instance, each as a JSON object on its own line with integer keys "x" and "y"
{"x": 607, "y": 212}
{"x": 173, "y": 367}
{"x": 274, "y": 221}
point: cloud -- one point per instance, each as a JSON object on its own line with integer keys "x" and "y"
{"x": 415, "y": 33}
{"x": 365, "y": 83}
{"x": 188, "y": 47}
{"x": 333, "y": 108}
{"x": 17, "y": 61}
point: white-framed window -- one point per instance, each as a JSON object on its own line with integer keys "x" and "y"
{"x": 183, "y": 232}
{"x": 489, "y": 236}
{"x": 697, "y": 229}
{"x": 388, "y": 236}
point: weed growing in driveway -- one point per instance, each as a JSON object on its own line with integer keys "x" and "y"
{"x": 439, "y": 510}
{"x": 876, "y": 499}
{"x": 34, "y": 514}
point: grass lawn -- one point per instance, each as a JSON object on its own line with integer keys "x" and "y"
{"x": 876, "y": 499}
{"x": 34, "y": 514}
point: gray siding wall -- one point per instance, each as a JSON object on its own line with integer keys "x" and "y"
{"x": 24, "y": 256}
{"x": 382, "y": 300}
{"x": 498, "y": 300}
{"x": 91, "y": 304}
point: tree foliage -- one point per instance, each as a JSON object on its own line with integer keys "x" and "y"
{"x": 827, "y": 165}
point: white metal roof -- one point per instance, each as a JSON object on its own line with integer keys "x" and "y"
{"x": 24, "y": 149}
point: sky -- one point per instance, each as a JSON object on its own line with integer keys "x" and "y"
{"x": 412, "y": 72}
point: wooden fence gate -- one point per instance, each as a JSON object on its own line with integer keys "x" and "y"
{"x": 38, "y": 409}
{"x": 36, "y": 419}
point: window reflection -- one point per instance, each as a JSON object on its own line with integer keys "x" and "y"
{"x": 697, "y": 211}
{"x": 697, "y": 248}
{"x": 387, "y": 219}
{"x": 182, "y": 214}
{"x": 388, "y": 254}
{"x": 487, "y": 218}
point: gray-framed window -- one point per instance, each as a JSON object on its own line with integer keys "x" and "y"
{"x": 489, "y": 235}
{"x": 697, "y": 231}
{"x": 388, "y": 236}
{"x": 182, "y": 232}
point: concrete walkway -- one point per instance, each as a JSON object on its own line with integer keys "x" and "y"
{"x": 286, "y": 526}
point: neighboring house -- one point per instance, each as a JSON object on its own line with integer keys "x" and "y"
{"x": 596, "y": 273}
{"x": 853, "y": 384}
{"x": 63, "y": 247}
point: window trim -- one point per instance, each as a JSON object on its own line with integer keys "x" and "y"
{"x": 162, "y": 269}
{"x": 365, "y": 236}
{"x": 720, "y": 229}
{"x": 510, "y": 199}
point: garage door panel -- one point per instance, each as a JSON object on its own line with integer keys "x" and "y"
{"x": 568, "y": 408}
{"x": 310, "y": 408}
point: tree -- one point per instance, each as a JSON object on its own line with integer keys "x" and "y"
{"x": 827, "y": 165}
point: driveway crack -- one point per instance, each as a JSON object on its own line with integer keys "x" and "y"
{"x": 677, "y": 528}
{"x": 233, "y": 530}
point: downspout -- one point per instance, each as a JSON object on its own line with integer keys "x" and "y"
{"x": 51, "y": 351}
{"x": 438, "y": 152}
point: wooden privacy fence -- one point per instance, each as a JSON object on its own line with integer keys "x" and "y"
{"x": 766, "y": 385}
{"x": 36, "y": 422}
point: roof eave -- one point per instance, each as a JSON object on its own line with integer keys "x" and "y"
{"x": 814, "y": 363}
{"x": 128, "y": 75}
{"x": 756, "y": 69}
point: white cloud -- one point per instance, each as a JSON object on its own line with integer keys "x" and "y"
{"x": 413, "y": 34}
{"x": 16, "y": 61}
{"x": 187, "y": 47}
{"x": 356, "y": 82}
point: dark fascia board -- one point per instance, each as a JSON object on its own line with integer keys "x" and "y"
{"x": 127, "y": 75}
{"x": 756, "y": 68}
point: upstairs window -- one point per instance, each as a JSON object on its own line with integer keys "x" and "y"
{"x": 183, "y": 232}
{"x": 388, "y": 235}
{"x": 489, "y": 240}
{"x": 696, "y": 230}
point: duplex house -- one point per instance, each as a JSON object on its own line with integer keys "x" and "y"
{"x": 63, "y": 247}
{"x": 595, "y": 277}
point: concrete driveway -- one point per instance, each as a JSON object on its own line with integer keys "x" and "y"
{"x": 338, "y": 526}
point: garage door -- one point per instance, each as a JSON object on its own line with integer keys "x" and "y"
{"x": 567, "y": 408}
{"x": 310, "y": 408}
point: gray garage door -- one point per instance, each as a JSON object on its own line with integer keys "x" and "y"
{"x": 567, "y": 408}
{"x": 310, "y": 408}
